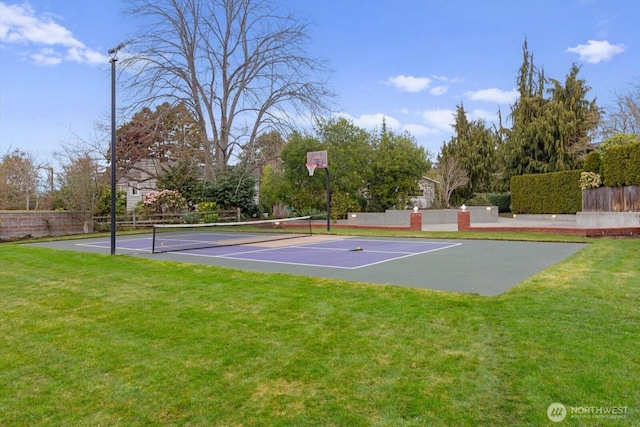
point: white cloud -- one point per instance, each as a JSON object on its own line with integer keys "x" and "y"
{"x": 46, "y": 57}
{"x": 438, "y": 90}
{"x": 20, "y": 25}
{"x": 441, "y": 78}
{"x": 596, "y": 51}
{"x": 441, "y": 118}
{"x": 485, "y": 115}
{"x": 373, "y": 121}
{"x": 409, "y": 83}
{"x": 419, "y": 130}
{"x": 86, "y": 56}
{"x": 493, "y": 95}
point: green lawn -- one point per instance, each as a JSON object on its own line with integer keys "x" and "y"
{"x": 90, "y": 339}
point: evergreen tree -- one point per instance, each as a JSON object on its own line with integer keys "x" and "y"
{"x": 397, "y": 166}
{"x": 474, "y": 148}
{"x": 549, "y": 134}
{"x": 573, "y": 120}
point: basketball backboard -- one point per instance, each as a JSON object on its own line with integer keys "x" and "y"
{"x": 317, "y": 159}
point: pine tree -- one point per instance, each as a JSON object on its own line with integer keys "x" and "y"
{"x": 548, "y": 134}
{"x": 474, "y": 147}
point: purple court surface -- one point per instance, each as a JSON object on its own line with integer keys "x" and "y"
{"x": 322, "y": 252}
{"x": 471, "y": 266}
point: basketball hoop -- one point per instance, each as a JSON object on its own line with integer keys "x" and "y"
{"x": 315, "y": 160}
{"x": 311, "y": 167}
{"x": 320, "y": 160}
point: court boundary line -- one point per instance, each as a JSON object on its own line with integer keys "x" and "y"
{"x": 308, "y": 245}
{"x": 234, "y": 257}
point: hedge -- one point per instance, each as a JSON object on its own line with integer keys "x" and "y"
{"x": 501, "y": 200}
{"x": 549, "y": 193}
{"x": 621, "y": 165}
{"x": 593, "y": 163}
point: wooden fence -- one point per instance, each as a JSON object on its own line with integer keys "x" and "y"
{"x": 131, "y": 220}
{"x": 28, "y": 224}
{"x": 611, "y": 199}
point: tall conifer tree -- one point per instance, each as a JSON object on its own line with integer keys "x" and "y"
{"x": 548, "y": 134}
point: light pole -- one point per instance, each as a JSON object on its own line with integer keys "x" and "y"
{"x": 113, "y": 52}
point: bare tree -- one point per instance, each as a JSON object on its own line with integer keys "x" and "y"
{"x": 81, "y": 182}
{"x": 239, "y": 66}
{"x": 452, "y": 175}
{"x": 19, "y": 181}
{"x": 624, "y": 115}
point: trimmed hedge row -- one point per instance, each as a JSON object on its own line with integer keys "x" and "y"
{"x": 621, "y": 165}
{"x": 501, "y": 200}
{"x": 593, "y": 163}
{"x": 549, "y": 193}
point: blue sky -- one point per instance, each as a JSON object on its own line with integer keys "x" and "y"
{"x": 410, "y": 61}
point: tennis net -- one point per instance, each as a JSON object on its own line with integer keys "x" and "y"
{"x": 184, "y": 237}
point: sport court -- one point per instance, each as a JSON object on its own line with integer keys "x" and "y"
{"x": 483, "y": 267}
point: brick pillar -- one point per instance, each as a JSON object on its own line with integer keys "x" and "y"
{"x": 464, "y": 220}
{"x": 415, "y": 221}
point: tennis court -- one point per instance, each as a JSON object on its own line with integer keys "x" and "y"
{"x": 470, "y": 266}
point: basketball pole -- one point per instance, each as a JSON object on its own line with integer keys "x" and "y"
{"x": 328, "y": 200}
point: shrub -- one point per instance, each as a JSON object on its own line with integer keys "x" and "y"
{"x": 501, "y": 200}
{"x": 233, "y": 188}
{"x": 633, "y": 168}
{"x": 191, "y": 218}
{"x": 589, "y": 180}
{"x": 341, "y": 204}
{"x": 206, "y": 211}
{"x": 593, "y": 163}
{"x": 618, "y": 140}
{"x": 621, "y": 165}
{"x": 279, "y": 210}
{"x": 548, "y": 193}
{"x": 160, "y": 202}
{"x": 478, "y": 199}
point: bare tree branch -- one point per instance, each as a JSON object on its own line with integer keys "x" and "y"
{"x": 237, "y": 65}
{"x": 624, "y": 115}
{"x": 452, "y": 175}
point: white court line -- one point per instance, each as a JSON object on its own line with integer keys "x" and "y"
{"x": 103, "y": 242}
{"x": 234, "y": 256}
{"x": 307, "y": 246}
{"x": 410, "y": 255}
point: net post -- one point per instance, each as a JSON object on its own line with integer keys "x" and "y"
{"x": 153, "y": 241}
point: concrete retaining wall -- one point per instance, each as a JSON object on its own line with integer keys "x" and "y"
{"x": 607, "y": 219}
{"x": 21, "y": 224}
{"x": 398, "y": 218}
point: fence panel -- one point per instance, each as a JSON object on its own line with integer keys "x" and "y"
{"x": 611, "y": 199}
{"x": 132, "y": 220}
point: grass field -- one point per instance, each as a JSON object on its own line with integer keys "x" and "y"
{"x": 90, "y": 339}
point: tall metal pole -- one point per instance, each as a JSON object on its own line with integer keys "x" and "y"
{"x": 113, "y": 154}
{"x": 328, "y": 197}
{"x": 113, "y": 52}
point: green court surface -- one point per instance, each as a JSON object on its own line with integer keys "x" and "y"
{"x": 483, "y": 267}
